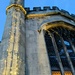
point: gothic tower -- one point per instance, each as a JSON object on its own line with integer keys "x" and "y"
{"x": 38, "y": 41}
{"x": 13, "y": 55}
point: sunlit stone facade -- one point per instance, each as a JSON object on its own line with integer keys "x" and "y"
{"x": 38, "y": 41}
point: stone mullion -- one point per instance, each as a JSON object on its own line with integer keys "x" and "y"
{"x": 56, "y": 52}
{"x": 73, "y": 47}
{"x": 68, "y": 57}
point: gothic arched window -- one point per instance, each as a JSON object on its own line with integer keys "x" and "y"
{"x": 60, "y": 44}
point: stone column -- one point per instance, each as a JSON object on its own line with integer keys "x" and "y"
{"x": 13, "y": 41}
{"x": 67, "y": 56}
{"x": 57, "y": 52}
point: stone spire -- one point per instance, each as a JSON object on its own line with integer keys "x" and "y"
{"x": 20, "y": 2}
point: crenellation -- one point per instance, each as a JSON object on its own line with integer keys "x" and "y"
{"x": 27, "y": 9}
{"x": 73, "y": 15}
{"x": 55, "y": 8}
{"x": 65, "y": 12}
{"x": 36, "y": 9}
{"x": 46, "y": 8}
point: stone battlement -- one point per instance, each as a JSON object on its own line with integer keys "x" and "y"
{"x": 44, "y": 8}
{"x": 48, "y": 8}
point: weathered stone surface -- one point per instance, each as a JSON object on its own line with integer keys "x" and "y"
{"x": 12, "y": 43}
{"x": 36, "y": 56}
{"x": 21, "y": 2}
{"x": 23, "y": 50}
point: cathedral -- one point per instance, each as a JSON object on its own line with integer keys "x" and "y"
{"x": 38, "y": 41}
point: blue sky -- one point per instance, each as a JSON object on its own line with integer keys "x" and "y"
{"x": 68, "y": 5}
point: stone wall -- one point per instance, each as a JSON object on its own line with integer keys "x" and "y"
{"x": 37, "y": 62}
{"x": 36, "y": 55}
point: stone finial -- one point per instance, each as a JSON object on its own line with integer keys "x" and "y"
{"x": 20, "y": 2}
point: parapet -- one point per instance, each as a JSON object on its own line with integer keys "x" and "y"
{"x": 50, "y": 9}
{"x": 46, "y": 8}
{"x": 73, "y": 15}
{"x": 55, "y": 8}
{"x": 27, "y": 9}
{"x": 36, "y": 8}
{"x": 64, "y": 11}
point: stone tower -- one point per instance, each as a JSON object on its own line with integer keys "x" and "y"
{"x": 13, "y": 41}
{"x": 38, "y": 41}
